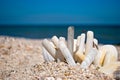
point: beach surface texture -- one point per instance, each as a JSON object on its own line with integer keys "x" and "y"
{"x": 21, "y": 59}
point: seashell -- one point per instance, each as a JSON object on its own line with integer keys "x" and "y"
{"x": 89, "y": 42}
{"x": 95, "y": 43}
{"x": 49, "y": 47}
{"x": 46, "y": 55}
{"x": 106, "y": 55}
{"x": 82, "y": 42}
{"x": 111, "y": 54}
{"x": 99, "y": 59}
{"x": 89, "y": 58}
{"x": 78, "y": 42}
{"x": 55, "y": 40}
{"x": 59, "y": 55}
{"x": 75, "y": 47}
{"x": 52, "y": 45}
{"x": 70, "y": 39}
{"x": 63, "y": 39}
{"x": 79, "y": 56}
{"x": 79, "y": 53}
{"x": 66, "y": 53}
{"x": 110, "y": 68}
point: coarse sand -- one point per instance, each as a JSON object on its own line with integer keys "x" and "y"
{"x": 21, "y": 59}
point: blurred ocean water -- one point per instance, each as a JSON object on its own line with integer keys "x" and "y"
{"x": 106, "y": 34}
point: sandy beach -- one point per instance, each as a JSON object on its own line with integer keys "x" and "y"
{"x": 21, "y": 59}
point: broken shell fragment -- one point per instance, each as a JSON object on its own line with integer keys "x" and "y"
{"x": 52, "y": 45}
{"x": 111, "y": 54}
{"x": 47, "y": 57}
{"x": 66, "y": 53}
{"x": 49, "y": 47}
{"x": 59, "y": 56}
{"x": 95, "y": 43}
{"x": 55, "y": 40}
{"x": 75, "y": 47}
{"x": 89, "y": 58}
{"x": 82, "y": 42}
{"x": 63, "y": 39}
{"x": 80, "y": 51}
{"x": 70, "y": 39}
{"x": 78, "y": 42}
{"x": 89, "y": 42}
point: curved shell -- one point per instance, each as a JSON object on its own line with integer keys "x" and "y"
{"x": 111, "y": 54}
{"x": 106, "y": 55}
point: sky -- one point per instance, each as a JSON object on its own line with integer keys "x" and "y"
{"x": 60, "y": 12}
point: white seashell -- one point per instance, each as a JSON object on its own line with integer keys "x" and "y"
{"x": 89, "y": 58}
{"x": 89, "y": 42}
{"x": 46, "y": 55}
{"x": 59, "y": 55}
{"x": 99, "y": 59}
{"x": 62, "y": 39}
{"x": 95, "y": 43}
{"x": 82, "y": 42}
{"x": 75, "y": 47}
{"x": 52, "y": 45}
{"x": 66, "y": 53}
{"x": 111, "y": 54}
{"x": 55, "y": 40}
{"x": 70, "y": 39}
{"x": 79, "y": 54}
{"x": 106, "y": 55}
{"x": 49, "y": 47}
{"x": 78, "y": 42}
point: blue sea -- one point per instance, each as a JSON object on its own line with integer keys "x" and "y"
{"x": 106, "y": 34}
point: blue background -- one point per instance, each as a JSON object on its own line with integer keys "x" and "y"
{"x": 60, "y": 12}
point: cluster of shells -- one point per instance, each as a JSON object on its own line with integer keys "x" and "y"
{"x": 74, "y": 51}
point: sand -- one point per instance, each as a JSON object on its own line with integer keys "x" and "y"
{"x": 21, "y": 59}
